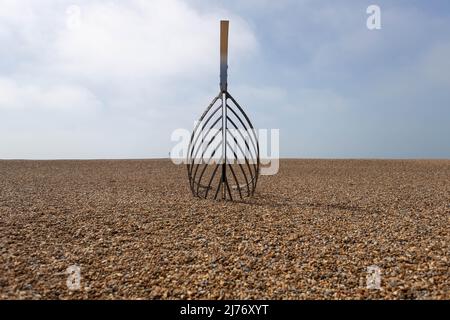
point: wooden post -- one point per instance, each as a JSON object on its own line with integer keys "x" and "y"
{"x": 223, "y": 54}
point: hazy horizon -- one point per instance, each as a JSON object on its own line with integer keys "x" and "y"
{"x": 166, "y": 158}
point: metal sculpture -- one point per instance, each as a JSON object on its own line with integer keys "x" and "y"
{"x": 223, "y": 154}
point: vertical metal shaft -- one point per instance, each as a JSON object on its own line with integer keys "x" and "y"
{"x": 223, "y": 88}
{"x": 224, "y": 144}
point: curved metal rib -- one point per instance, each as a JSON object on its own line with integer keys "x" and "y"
{"x": 236, "y": 180}
{"x": 251, "y": 126}
{"x": 252, "y": 139}
{"x": 203, "y": 154}
{"x": 198, "y": 149}
{"x": 198, "y": 124}
{"x": 228, "y": 188}
{"x": 204, "y": 114}
{"x": 246, "y": 144}
{"x": 207, "y": 163}
{"x": 246, "y": 160}
{"x": 194, "y": 144}
{"x": 203, "y": 128}
{"x": 247, "y": 184}
{"x": 243, "y": 138}
{"x": 210, "y": 181}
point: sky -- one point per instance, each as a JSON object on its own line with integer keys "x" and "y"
{"x": 114, "y": 79}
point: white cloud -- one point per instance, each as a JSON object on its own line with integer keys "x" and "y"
{"x": 59, "y": 97}
{"x": 124, "y": 67}
{"x": 115, "y": 46}
{"x": 157, "y": 39}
